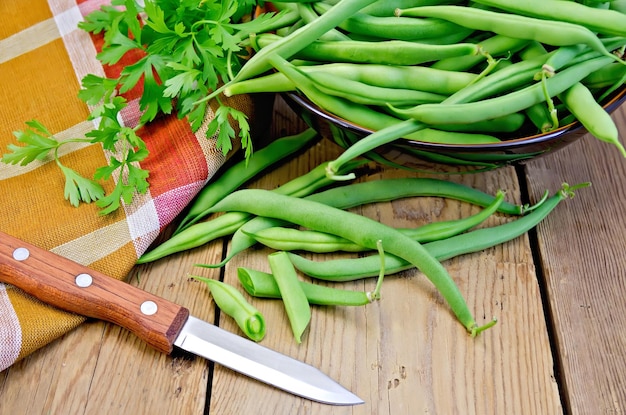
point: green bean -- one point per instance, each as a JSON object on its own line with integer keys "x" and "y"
{"x": 263, "y": 285}
{"x": 234, "y": 304}
{"x": 356, "y": 194}
{"x": 550, "y": 32}
{"x": 400, "y": 28}
{"x": 605, "y": 77}
{"x": 532, "y": 50}
{"x": 606, "y": 22}
{"x": 289, "y": 239}
{"x": 387, "y": 52}
{"x": 387, "y": 7}
{"x": 449, "y": 136}
{"x": 196, "y": 235}
{"x": 618, "y": 6}
{"x": 365, "y": 94}
{"x": 203, "y": 232}
{"x": 474, "y": 241}
{"x": 420, "y": 78}
{"x": 507, "y": 124}
{"x": 308, "y": 14}
{"x": 495, "y": 46}
{"x": 506, "y": 104}
{"x": 295, "y": 301}
{"x": 238, "y": 174}
{"x": 540, "y": 117}
{"x": 583, "y": 105}
{"x": 359, "y": 229}
{"x": 385, "y": 190}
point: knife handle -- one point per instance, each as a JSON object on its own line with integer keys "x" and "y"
{"x": 70, "y": 286}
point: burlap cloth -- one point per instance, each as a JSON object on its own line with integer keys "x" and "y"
{"x": 43, "y": 57}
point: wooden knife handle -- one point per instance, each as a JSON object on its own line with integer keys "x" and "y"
{"x": 70, "y": 286}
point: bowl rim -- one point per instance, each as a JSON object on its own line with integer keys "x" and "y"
{"x": 616, "y": 99}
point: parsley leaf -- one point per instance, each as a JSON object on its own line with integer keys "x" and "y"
{"x": 38, "y": 144}
{"x": 79, "y": 188}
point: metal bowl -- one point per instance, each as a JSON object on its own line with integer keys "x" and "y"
{"x": 410, "y": 154}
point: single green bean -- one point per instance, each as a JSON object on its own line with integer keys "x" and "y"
{"x": 606, "y": 22}
{"x": 619, "y": 6}
{"x": 387, "y": 52}
{"x": 497, "y": 45}
{"x": 263, "y": 284}
{"x": 605, "y": 77}
{"x": 434, "y": 135}
{"x": 385, "y": 190}
{"x": 583, "y": 105}
{"x": 308, "y": 14}
{"x": 235, "y": 176}
{"x": 388, "y": 7}
{"x": 532, "y": 50}
{"x": 507, "y": 124}
{"x": 540, "y": 117}
{"x": 233, "y": 303}
{"x": 549, "y": 32}
{"x": 473, "y": 241}
{"x": 359, "y": 229}
{"x": 196, "y": 235}
{"x": 295, "y": 301}
{"x": 400, "y": 28}
{"x": 362, "y": 93}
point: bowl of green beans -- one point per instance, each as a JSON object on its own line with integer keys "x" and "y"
{"x": 515, "y": 147}
{"x": 481, "y": 84}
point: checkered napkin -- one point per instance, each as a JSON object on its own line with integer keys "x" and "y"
{"x": 43, "y": 57}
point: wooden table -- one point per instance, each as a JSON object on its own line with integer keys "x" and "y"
{"x": 559, "y": 294}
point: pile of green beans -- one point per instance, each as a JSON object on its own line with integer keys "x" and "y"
{"x": 445, "y": 71}
{"x": 556, "y": 55}
{"x": 283, "y": 282}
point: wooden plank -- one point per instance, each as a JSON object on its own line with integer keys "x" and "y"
{"x": 407, "y": 353}
{"x": 582, "y": 251}
{"x": 404, "y": 354}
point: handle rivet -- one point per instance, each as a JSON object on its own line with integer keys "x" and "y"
{"x": 83, "y": 280}
{"x": 21, "y": 254}
{"x": 149, "y": 308}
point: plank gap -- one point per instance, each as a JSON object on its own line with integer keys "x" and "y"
{"x": 533, "y": 240}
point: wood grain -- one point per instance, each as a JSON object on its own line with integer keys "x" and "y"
{"x": 405, "y": 354}
{"x": 582, "y": 261}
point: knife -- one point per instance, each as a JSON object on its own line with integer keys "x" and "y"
{"x": 162, "y": 324}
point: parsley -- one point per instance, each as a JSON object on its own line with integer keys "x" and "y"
{"x": 188, "y": 49}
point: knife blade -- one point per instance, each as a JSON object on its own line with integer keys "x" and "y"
{"x": 162, "y": 324}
